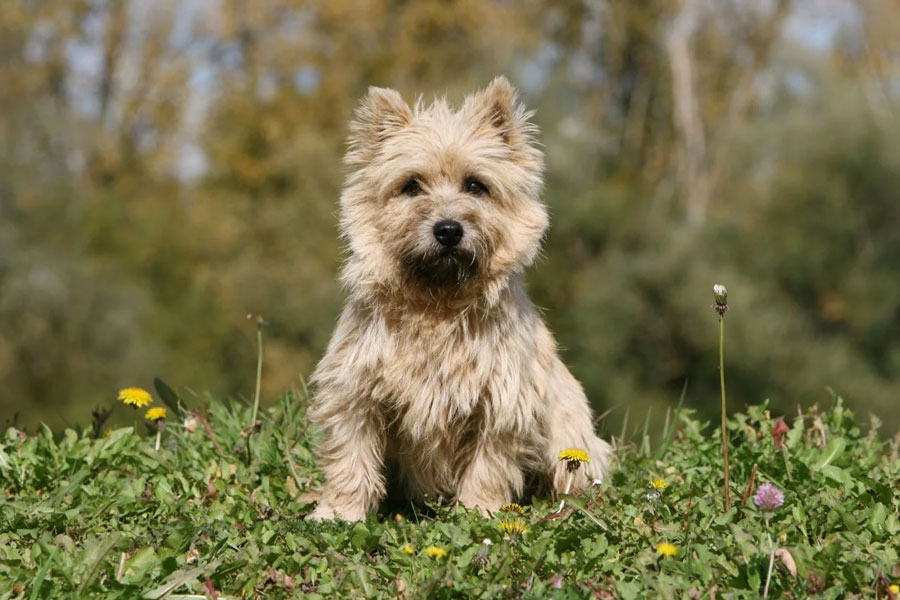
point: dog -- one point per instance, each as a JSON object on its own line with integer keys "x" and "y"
{"x": 440, "y": 370}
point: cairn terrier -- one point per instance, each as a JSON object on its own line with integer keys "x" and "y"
{"x": 440, "y": 372}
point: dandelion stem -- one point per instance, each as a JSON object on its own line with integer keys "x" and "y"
{"x": 158, "y": 436}
{"x": 568, "y": 488}
{"x": 724, "y": 421}
{"x": 771, "y": 564}
{"x": 259, "y": 357}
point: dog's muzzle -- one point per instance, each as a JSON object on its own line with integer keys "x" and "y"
{"x": 446, "y": 266}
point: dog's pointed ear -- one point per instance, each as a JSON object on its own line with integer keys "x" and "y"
{"x": 381, "y": 113}
{"x": 498, "y": 107}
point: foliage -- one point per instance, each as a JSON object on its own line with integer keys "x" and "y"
{"x": 168, "y": 167}
{"x": 110, "y": 517}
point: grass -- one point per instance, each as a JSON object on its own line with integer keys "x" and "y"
{"x": 110, "y": 517}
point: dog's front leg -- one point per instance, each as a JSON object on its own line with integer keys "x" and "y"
{"x": 492, "y": 478}
{"x": 352, "y": 457}
{"x": 571, "y": 425}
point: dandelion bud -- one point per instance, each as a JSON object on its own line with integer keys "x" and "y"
{"x": 721, "y": 296}
{"x": 191, "y": 423}
{"x": 481, "y": 558}
{"x": 780, "y": 428}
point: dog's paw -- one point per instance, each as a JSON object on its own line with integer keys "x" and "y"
{"x": 326, "y": 512}
{"x": 322, "y": 512}
{"x": 310, "y": 497}
{"x": 488, "y": 508}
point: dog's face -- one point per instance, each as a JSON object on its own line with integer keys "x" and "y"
{"x": 442, "y": 201}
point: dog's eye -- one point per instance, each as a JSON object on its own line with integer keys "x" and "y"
{"x": 412, "y": 188}
{"x": 476, "y": 188}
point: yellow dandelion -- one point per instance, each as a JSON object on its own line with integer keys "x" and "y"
{"x": 135, "y": 397}
{"x": 435, "y": 552}
{"x": 895, "y": 589}
{"x": 156, "y": 413}
{"x": 574, "y": 455}
{"x": 407, "y": 549}
{"x": 512, "y": 507}
{"x": 512, "y": 527}
{"x": 659, "y": 484}
{"x": 667, "y": 549}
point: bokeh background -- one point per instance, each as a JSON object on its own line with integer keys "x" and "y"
{"x": 167, "y": 167}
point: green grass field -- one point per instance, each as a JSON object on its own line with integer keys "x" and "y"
{"x": 213, "y": 514}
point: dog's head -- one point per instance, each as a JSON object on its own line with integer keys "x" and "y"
{"x": 441, "y": 201}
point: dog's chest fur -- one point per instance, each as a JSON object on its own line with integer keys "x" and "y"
{"x": 444, "y": 374}
{"x": 445, "y": 383}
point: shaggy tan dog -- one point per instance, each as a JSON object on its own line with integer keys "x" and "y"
{"x": 440, "y": 368}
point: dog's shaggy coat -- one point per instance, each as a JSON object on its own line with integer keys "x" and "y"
{"x": 440, "y": 367}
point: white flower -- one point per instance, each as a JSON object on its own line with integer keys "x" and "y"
{"x": 191, "y": 424}
{"x": 721, "y": 294}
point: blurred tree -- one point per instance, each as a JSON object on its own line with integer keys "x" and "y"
{"x": 168, "y": 167}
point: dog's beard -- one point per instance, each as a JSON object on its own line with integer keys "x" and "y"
{"x": 442, "y": 268}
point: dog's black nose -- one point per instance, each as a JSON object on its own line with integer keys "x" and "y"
{"x": 448, "y": 233}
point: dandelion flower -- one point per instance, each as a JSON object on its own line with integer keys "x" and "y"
{"x": 512, "y": 527}
{"x": 666, "y": 549}
{"x": 574, "y": 456}
{"x": 407, "y": 549}
{"x": 156, "y": 413}
{"x": 768, "y": 497}
{"x": 895, "y": 589}
{"x": 659, "y": 484}
{"x": 512, "y": 507}
{"x": 435, "y": 552}
{"x": 135, "y": 397}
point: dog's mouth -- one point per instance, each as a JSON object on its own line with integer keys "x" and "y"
{"x": 445, "y": 267}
